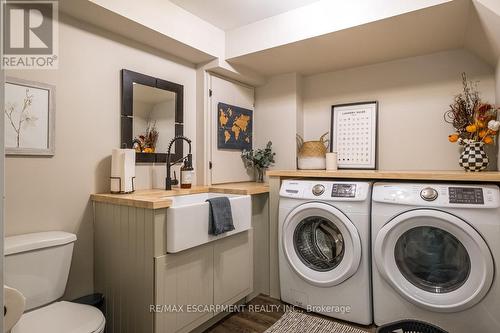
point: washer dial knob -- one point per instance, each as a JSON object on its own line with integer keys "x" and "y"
{"x": 318, "y": 189}
{"x": 429, "y": 194}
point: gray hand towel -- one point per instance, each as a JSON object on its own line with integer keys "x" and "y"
{"x": 220, "y": 217}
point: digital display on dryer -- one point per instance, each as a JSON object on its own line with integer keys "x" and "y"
{"x": 343, "y": 190}
{"x": 466, "y": 195}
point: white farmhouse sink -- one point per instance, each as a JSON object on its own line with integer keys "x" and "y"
{"x": 187, "y": 219}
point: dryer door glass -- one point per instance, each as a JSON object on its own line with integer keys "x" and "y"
{"x": 319, "y": 243}
{"x": 432, "y": 259}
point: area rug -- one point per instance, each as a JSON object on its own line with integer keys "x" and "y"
{"x": 299, "y": 322}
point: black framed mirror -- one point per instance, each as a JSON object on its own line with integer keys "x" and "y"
{"x": 152, "y": 114}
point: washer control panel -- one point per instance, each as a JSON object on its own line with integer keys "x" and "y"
{"x": 466, "y": 195}
{"x": 325, "y": 190}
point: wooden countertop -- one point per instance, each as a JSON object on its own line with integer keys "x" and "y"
{"x": 156, "y": 198}
{"x": 240, "y": 188}
{"x": 462, "y": 176}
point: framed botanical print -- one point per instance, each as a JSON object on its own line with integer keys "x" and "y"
{"x": 29, "y": 113}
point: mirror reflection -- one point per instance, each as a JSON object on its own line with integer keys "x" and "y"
{"x": 154, "y": 118}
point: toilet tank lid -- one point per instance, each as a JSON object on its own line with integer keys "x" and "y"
{"x": 36, "y": 241}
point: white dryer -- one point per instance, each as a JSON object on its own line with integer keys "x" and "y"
{"x": 324, "y": 248}
{"x": 436, "y": 249}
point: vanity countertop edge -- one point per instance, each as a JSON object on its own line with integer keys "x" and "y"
{"x": 157, "y": 199}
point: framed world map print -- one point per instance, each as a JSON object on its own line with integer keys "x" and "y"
{"x": 234, "y": 127}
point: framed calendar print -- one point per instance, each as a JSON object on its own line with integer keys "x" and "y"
{"x": 353, "y": 135}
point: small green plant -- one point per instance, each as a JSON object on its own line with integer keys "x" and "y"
{"x": 259, "y": 159}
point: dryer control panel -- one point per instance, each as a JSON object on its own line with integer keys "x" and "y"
{"x": 466, "y": 195}
{"x": 438, "y": 195}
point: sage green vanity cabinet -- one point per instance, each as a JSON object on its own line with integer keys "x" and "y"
{"x": 216, "y": 273}
{"x": 233, "y": 268}
{"x": 135, "y": 273}
{"x": 184, "y": 279}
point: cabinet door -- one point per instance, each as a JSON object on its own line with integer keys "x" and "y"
{"x": 183, "y": 280}
{"x": 233, "y": 268}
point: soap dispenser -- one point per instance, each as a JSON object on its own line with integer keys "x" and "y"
{"x": 187, "y": 172}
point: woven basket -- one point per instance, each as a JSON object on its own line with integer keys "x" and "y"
{"x": 312, "y": 149}
{"x": 311, "y": 154}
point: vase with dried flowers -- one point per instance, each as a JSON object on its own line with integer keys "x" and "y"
{"x": 475, "y": 126}
{"x": 259, "y": 159}
{"x": 146, "y": 143}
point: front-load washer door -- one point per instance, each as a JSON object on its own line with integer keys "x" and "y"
{"x": 321, "y": 244}
{"x": 434, "y": 260}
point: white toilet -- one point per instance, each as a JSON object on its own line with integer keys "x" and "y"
{"x": 38, "y": 265}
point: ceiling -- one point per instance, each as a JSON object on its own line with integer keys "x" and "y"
{"x": 230, "y": 14}
{"x": 425, "y": 31}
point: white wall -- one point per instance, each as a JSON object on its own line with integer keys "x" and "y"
{"x": 497, "y": 80}
{"x": 413, "y": 94}
{"x": 276, "y": 108}
{"x": 2, "y": 181}
{"x": 53, "y": 193}
{"x": 300, "y": 105}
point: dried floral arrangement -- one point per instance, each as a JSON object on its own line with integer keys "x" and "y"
{"x": 473, "y": 120}
{"x": 146, "y": 143}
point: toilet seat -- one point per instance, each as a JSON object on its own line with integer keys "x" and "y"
{"x": 62, "y": 317}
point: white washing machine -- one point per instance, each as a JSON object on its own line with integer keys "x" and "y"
{"x": 324, "y": 248}
{"x": 436, "y": 249}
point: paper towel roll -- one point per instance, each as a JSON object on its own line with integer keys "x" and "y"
{"x": 331, "y": 161}
{"x": 122, "y": 170}
{"x": 14, "y": 307}
{"x": 128, "y": 170}
{"x": 116, "y": 165}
